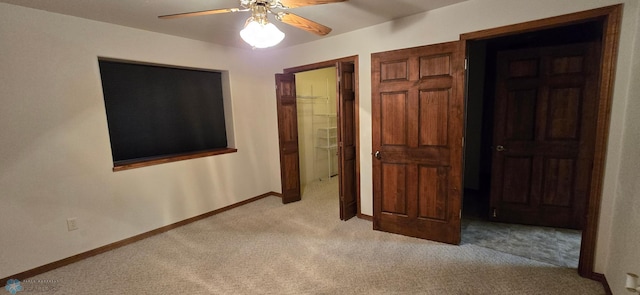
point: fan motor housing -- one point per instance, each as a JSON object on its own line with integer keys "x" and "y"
{"x": 265, "y": 3}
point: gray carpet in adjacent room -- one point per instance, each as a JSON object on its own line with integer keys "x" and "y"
{"x": 303, "y": 248}
{"x": 556, "y": 246}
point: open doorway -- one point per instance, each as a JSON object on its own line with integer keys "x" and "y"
{"x": 530, "y": 133}
{"x": 317, "y": 128}
{"x": 333, "y": 131}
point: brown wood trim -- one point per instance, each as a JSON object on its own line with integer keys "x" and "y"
{"x": 332, "y": 63}
{"x": 610, "y": 40}
{"x": 356, "y": 118}
{"x": 78, "y": 257}
{"x": 611, "y": 17}
{"x": 536, "y": 25}
{"x": 157, "y": 161}
{"x": 365, "y": 217}
{"x": 602, "y": 279}
{"x": 321, "y": 65}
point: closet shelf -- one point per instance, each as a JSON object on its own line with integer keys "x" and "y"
{"x": 326, "y": 137}
{"x": 326, "y": 115}
{"x": 311, "y": 97}
{"x": 323, "y": 119}
{"x": 333, "y": 146}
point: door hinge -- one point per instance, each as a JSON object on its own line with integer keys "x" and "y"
{"x": 460, "y": 214}
{"x": 466, "y": 63}
{"x": 494, "y": 212}
{"x": 463, "y": 142}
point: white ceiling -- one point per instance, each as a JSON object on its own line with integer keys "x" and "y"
{"x": 223, "y": 28}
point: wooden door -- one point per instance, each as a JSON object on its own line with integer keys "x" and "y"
{"x": 417, "y": 114}
{"x": 544, "y": 128}
{"x": 288, "y": 135}
{"x": 347, "y": 140}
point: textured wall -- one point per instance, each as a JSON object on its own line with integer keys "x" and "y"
{"x": 55, "y": 159}
{"x": 624, "y": 254}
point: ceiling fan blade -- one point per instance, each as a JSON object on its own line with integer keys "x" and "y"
{"x": 197, "y": 13}
{"x": 300, "y": 3}
{"x": 303, "y": 23}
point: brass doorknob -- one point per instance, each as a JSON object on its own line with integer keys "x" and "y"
{"x": 500, "y": 148}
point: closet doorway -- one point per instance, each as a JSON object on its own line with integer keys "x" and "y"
{"x": 317, "y": 125}
{"x": 318, "y": 130}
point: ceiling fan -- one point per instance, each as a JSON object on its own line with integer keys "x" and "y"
{"x": 258, "y": 31}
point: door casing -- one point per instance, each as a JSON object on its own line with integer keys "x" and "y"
{"x": 610, "y": 18}
{"x": 332, "y": 63}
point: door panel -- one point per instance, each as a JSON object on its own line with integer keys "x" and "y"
{"x": 394, "y": 118}
{"x": 563, "y": 115}
{"x": 288, "y": 136}
{"x": 432, "y": 193}
{"x": 544, "y": 134}
{"x": 347, "y": 140}
{"x": 417, "y": 103}
{"x": 517, "y": 177}
{"x": 558, "y": 183}
{"x": 394, "y": 195}
{"x": 520, "y": 121}
{"x": 434, "y": 117}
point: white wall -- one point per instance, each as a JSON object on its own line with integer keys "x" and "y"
{"x": 55, "y": 157}
{"x": 446, "y": 24}
{"x": 624, "y": 254}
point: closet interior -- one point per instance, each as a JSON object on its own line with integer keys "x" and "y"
{"x": 317, "y": 125}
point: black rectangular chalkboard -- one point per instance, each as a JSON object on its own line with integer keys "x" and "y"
{"x": 156, "y": 111}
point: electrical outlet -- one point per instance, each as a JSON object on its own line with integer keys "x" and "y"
{"x": 72, "y": 223}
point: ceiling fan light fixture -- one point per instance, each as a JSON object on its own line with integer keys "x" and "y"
{"x": 261, "y": 34}
{"x": 257, "y": 31}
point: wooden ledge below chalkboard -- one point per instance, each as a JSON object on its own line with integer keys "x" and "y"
{"x": 139, "y": 163}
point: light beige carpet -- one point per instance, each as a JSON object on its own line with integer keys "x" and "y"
{"x": 303, "y": 248}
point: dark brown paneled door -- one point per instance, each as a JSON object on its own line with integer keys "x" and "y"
{"x": 288, "y": 134}
{"x": 544, "y": 129}
{"x": 347, "y": 140}
{"x": 417, "y": 114}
